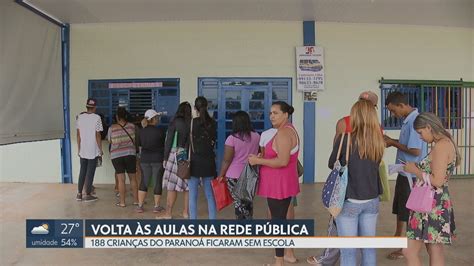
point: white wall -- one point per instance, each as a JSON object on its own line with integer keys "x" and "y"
{"x": 34, "y": 162}
{"x": 356, "y": 57}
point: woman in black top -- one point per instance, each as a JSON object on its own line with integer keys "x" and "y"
{"x": 203, "y": 158}
{"x": 152, "y": 141}
{"x": 177, "y": 141}
{"x": 361, "y": 207}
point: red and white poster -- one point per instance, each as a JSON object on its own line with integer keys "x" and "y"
{"x": 310, "y": 68}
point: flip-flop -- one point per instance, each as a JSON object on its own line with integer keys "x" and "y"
{"x": 395, "y": 255}
{"x": 120, "y": 205}
{"x": 312, "y": 260}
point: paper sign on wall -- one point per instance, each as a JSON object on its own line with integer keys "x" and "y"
{"x": 310, "y": 68}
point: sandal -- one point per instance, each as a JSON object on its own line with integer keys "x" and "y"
{"x": 395, "y": 255}
{"x": 120, "y": 205}
{"x": 313, "y": 260}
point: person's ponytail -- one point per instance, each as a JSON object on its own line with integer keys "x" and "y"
{"x": 201, "y": 106}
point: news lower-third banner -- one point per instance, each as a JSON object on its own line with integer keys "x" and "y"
{"x": 96, "y": 233}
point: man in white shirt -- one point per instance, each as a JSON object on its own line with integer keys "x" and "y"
{"x": 89, "y": 145}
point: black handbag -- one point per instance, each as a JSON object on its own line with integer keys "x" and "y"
{"x": 299, "y": 168}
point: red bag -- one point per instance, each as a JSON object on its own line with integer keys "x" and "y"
{"x": 221, "y": 193}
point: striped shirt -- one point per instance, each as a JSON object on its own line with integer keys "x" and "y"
{"x": 121, "y": 144}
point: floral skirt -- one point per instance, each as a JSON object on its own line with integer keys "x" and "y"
{"x": 437, "y": 226}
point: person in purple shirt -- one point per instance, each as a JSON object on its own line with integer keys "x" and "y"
{"x": 238, "y": 146}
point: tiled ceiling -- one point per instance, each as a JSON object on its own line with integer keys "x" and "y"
{"x": 452, "y": 13}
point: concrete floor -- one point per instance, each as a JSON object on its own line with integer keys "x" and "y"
{"x": 19, "y": 201}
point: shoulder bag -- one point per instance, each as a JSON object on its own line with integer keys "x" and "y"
{"x": 334, "y": 190}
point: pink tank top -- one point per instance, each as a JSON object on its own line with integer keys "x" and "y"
{"x": 278, "y": 183}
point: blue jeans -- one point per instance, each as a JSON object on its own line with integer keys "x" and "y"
{"x": 358, "y": 219}
{"x": 193, "y": 184}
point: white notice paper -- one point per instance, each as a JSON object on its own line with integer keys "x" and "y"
{"x": 395, "y": 168}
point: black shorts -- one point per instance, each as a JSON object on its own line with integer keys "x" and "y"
{"x": 400, "y": 198}
{"x": 125, "y": 164}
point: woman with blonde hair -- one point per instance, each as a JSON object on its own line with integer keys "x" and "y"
{"x": 435, "y": 228}
{"x": 361, "y": 206}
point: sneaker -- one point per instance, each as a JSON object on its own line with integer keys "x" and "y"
{"x": 158, "y": 209}
{"x": 139, "y": 209}
{"x": 90, "y": 198}
{"x": 79, "y": 197}
{"x": 93, "y": 193}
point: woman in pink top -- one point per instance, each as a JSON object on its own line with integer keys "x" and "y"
{"x": 238, "y": 146}
{"x": 278, "y": 174}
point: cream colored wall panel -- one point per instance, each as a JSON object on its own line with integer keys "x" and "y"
{"x": 32, "y": 162}
{"x": 358, "y": 55}
{"x": 185, "y": 50}
{"x": 472, "y": 55}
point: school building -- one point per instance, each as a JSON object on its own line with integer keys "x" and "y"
{"x": 244, "y": 61}
{"x": 240, "y": 55}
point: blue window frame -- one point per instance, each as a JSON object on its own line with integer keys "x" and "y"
{"x": 253, "y": 95}
{"x": 442, "y": 98}
{"x": 136, "y": 95}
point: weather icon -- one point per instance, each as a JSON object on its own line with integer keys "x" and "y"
{"x": 40, "y": 230}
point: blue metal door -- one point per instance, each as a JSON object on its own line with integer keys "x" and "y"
{"x": 166, "y": 101}
{"x": 256, "y": 102}
{"x": 253, "y": 95}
